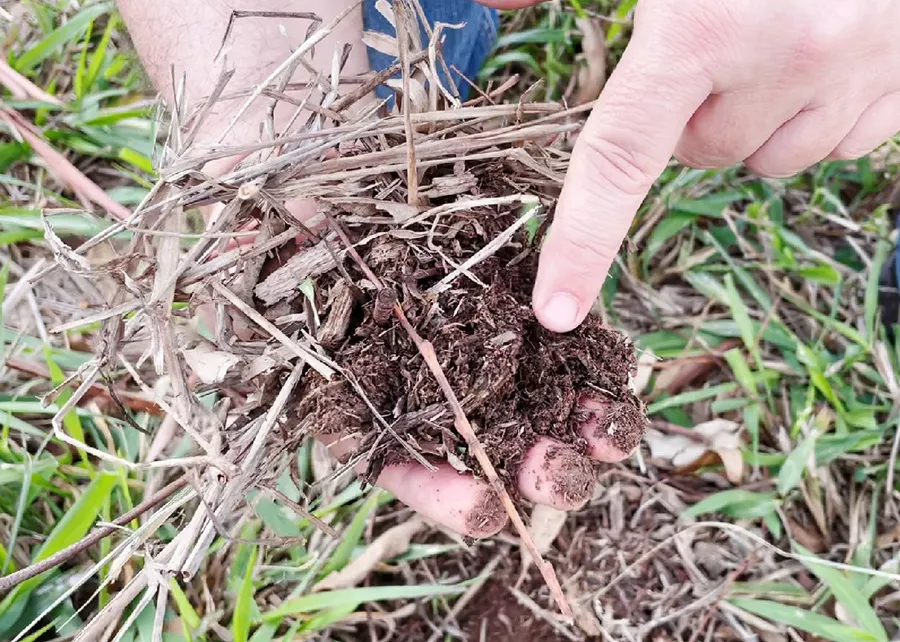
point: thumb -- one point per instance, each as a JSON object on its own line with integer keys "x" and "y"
{"x": 624, "y": 147}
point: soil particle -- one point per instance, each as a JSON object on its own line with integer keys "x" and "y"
{"x": 515, "y": 380}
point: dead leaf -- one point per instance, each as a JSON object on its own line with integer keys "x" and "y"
{"x": 678, "y": 374}
{"x": 418, "y": 96}
{"x": 382, "y": 43}
{"x": 585, "y": 618}
{"x": 210, "y": 365}
{"x": 64, "y": 255}
{"x": 384, "y": 8}
{"x": 719, "y": 436}
{"x": 808, "y": 537}
{"x": 889, "y": 538}
{"x": 645, "y": 364}
{"x": 400, "y": 212}
{"x": 592, "y": 73}
{"x": 394, "y": 541}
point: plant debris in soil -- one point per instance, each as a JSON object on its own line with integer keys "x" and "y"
{"x": 515, "y": 380}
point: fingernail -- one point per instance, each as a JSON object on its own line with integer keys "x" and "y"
{"x": 560, "y": 313}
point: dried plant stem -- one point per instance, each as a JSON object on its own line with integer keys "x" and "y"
{"x": 468, "y": 433}
{"x": 14, "y": 579}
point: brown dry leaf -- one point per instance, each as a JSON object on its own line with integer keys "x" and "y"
{"x": 391, "y": 543}
{"x": 720, "y": 436}
{"x": 645, "y": 364}
{"x": 210, "y": 365}
{"x": 889, "y": 538}
{"x": 591, "y": 74}
{"x": 65, "y": 171}
{"x": 807, "y": 537}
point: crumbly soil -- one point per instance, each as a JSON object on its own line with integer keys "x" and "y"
{"x": 515, "y": 380}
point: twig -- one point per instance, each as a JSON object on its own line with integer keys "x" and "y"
{"x": 14, "y": 579}
{"x": 412, "y": 178}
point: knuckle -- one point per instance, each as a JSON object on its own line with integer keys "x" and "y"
{"x": 620, "y": 168}
{"x": 817, "y": 40}
{"x": 586, "y": 241}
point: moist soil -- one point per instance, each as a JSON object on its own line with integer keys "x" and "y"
{"x": 515, "y": 380}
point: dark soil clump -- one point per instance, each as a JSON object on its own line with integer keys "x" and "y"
{"x": 515, "y": 380}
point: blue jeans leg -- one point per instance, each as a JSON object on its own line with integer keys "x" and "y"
{"x": 464, "y": 49}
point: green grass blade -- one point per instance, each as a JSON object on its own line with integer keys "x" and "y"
{"x": 736, "y": 498}
{"x": 691, "y": 396}
{"x": 99, "y": 55}
{"x": 240, "y": 621}
{"x": 792, "y": 470}
{"x": 74, "y": 525}
{"x": 351, "y": 537}
{"x": 847, "y": 594}
{"x": 71, "y": 422}
{"x": 82, "y": 61}
{"x": 78, "y": 520}
{"x": 621, "y": 18}
{"x": 357, "y": 596}
{"x": 190, "y": 620}
{"x": 882, "y": 249}
{"x": 803, "y": 620}
{"x": 739, "y": 313}
{"x": 60, "y": 37}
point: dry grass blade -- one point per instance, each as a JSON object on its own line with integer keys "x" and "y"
{"x": 22, "y": 88}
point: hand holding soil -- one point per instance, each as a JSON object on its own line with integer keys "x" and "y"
{"x": 779, "y": 86}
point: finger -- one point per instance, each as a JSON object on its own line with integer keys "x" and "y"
{"x": 613, "y": 430}
{"x": 459, "y": 502}
{"x": 803, "y": 141}
{"x": 877, "y": 124}
{"x": 556, "y": 475}
{"x": 626, "y": 143}
{"x": 730, "y": 127}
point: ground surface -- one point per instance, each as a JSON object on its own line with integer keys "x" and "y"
{"x": 768, "y": 377}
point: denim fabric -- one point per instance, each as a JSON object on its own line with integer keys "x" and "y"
{"x": 465, "y": 49}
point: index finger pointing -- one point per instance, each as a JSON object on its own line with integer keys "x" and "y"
{"x": 626, "y": 143}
